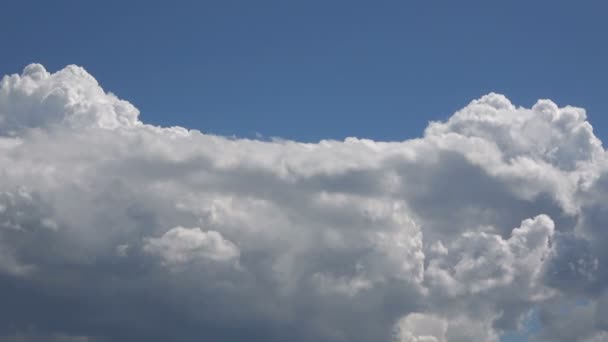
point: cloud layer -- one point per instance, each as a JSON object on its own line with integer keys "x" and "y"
{"x": 115, "y": 230}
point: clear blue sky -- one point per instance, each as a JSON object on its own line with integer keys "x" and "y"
{"x": 309, "y": 70}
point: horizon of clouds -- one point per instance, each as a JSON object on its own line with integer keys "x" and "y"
{"x": 113, "y": 230}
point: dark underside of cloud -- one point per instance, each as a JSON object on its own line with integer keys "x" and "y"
{"x": 115, "y": 230}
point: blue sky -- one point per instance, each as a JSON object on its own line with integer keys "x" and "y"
{"x": 310, "y": 70}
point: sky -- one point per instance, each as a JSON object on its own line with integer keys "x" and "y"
{"x": 310, "y": 70}
{"x": 309, "y": 171}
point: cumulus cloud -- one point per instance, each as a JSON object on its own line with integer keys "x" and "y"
{"x": 69, "y": 97}
{"x": 478, "y": 262}
{"x": 417, "y": 327}
{"x": 117, "y": 230}
{"x": 183, "y": 245}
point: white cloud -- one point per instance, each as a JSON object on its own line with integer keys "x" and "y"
{"x": 423, "y": 327}
{"x": 183, "y": 245}
{"x": 479, "y": 262}
{"x": 71, "y": 97}
{"x": 337, "y": 240}
{"x": 418, "y": 327}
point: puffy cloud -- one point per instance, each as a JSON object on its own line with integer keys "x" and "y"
{"x": 459, "y": 235}
{"x": 418, "y": 327}
{"x": 479, "y": 262}
{"x": 559, "y": 136}
{"x": 182, "y": 245}
{"x": 71, "y": 97}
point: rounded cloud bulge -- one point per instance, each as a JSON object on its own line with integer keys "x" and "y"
{"x": 71, "y": 97}
{"x": 115, "y": 230}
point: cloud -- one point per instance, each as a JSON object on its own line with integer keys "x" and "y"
{"x": 478, "y": 262}
{"x": 421, "y": 327}
{"x": 69, "y": 97}
{"x": 182, "y": 245}
{"x": 118, "y": 230}
{"x": 418, "y": 327}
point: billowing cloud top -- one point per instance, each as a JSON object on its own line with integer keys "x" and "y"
{"x": 70, "y": 97}
{"x": 115, "y": 230}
